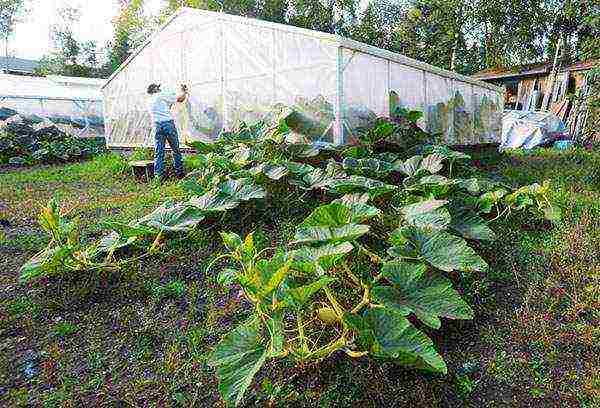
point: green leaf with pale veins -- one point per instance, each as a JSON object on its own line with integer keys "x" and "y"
{"x": 427, "y": 214}
{"x": 308, "y": 259}
{"x": 354, "y": 184}
{"x": 237, "y": 359}
{"x": 272, "y": 171}
{"x": 241, "y": 190}
{"x": 360, "y": 210}
{"x": 171, "y": 217}
{"x": 470, "y": 225}
{"x": 427, "y": 295}
{"x": 394, "y": 337}
{"x": 443, "y": 250}
{"x": 332, "y": 235}
{"x": 211, "y": 202}
{"x": 422, "y": 207}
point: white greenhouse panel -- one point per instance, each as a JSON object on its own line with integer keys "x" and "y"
{"x": 408, "y": 85}
{"x": 438, "y": 106}
{"x": 463, "y": 114}
{"x": 202, "y": 66}
{"x": 249, "y": 52}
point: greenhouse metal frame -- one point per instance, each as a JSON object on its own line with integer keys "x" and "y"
{"x": 241, "y": 69}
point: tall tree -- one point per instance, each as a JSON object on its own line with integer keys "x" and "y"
{"x": 71, "y": 56}
{"x": 131, "y": 27}
{"x": 11, "y": 12}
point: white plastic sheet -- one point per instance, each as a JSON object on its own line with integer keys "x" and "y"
{"x": 523, "y": 129}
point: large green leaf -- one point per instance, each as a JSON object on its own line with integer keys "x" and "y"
{"x": 470, "y": 225}
{"x": 443, "y": 250}
{"x": 320, "y": 259}
{"x": 347, "y": 232}
{"x": 394, "y": 337}
{"x": 171, "y": 217}
{"x": 322, "y": 178}
{"x": 360, "y": 210}
{"x": 210, "y": 202}
{"x": 130, "y": 230}
{"x": 427, "y": 214}
{"x": 241, "y": 190}
{"x": 418, "y": 166}
{"x": 422, "y": 207}
{"x": 237, "y": 359}
{"x": 298, "y": 297}
{"x": 438, "y": 219}
{"x": 298, "y": 169}
{"x": 302, "y": 150}
{"x": 113, "y": 241}
{"x": 330, "y": 215}
{"x": 272, "y": 171}
{"x": 355, "y": 184}
{"x": 427, "y": 295}
{"x": 45, "y": 263}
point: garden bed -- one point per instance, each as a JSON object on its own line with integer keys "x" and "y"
{"x": 145, "y": 335}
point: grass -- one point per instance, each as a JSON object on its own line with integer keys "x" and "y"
{"x": 143, "y": 337}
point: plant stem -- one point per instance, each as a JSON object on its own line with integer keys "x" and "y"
{"x": 374, "y": 257}
{"x": 365, "y": 300}
{"x": 326, "y": 350}
{"x": 304, "y": 346}
{"x": 336, "y": 306}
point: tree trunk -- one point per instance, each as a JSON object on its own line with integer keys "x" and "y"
{"x": 453, "y": 57}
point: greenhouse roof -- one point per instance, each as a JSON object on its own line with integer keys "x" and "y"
{"x": 29, "y": 87}
{"x": 332, "y": 38}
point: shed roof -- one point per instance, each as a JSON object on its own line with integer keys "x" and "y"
{"x": 532, "y": 70}
{"x": 334, "y": 39}
{"x": 23, "y": 65}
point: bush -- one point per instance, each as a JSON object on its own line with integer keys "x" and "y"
{"x": 24, "y": 144}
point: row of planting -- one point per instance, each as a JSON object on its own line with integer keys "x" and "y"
{"x": 367, "y": 270}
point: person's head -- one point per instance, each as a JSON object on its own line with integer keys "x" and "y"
{"x": 153, "y": 88}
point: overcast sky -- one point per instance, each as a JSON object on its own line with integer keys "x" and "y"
{"x": 32, "y": 37}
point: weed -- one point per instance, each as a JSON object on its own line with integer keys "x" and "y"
{"x": 174, "y": 289}
{"x": 64, "y": 329}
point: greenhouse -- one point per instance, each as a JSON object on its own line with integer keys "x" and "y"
{"x": 74, "y": 104}
{"x": 241, "y": 69}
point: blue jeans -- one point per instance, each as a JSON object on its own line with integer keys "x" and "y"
{"x": 166, "y": 131}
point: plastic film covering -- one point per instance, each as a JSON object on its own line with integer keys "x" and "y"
{"x": 487, "y": 121}
{"x": 77, "y": 110}
{"x": 238, "y": 70}
{"x": 439, "y": 106}
{"x": 463, "y": 114}
{"x": 365, "y": 90}
{"x": 407, "y": 85}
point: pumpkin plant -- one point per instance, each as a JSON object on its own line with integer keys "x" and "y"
{"x": 369, "y": 272}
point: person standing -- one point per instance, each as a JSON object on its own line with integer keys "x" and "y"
{"x": 165, "y": 131}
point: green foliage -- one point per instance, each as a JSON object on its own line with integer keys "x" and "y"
{"x": 21, "y": 145}
{"x": 174, "y": 289}
{"x": 365, "y": 270}
{"x": 64, "y": 329}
